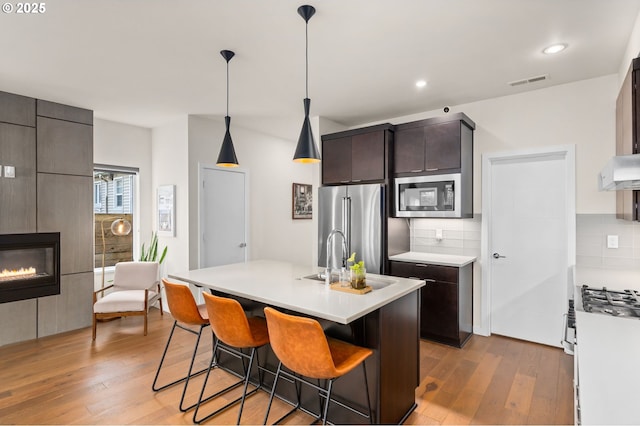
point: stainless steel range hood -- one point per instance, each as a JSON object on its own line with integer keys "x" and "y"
{"x": 621, "y": 172}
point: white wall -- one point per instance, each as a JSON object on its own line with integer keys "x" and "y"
{"x": 273, "y": 234}
{"x": 125, "y": 145}
{"x": 169, "y": 157}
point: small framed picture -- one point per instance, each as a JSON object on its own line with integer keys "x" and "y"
{"x": 302, "y": 201}
{"x": 167, "y": 210}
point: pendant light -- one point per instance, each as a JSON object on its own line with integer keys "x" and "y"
{"x": 227, "y": 156}
{"x": 306, "y": 150}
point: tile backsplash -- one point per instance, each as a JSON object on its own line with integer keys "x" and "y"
{"x": 462, "y": 237}
{"x": 591, "y": 241}
{"x": 459, "y": 236}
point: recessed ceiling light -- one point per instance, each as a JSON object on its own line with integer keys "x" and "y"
{"x": 555, "y": 48}
{"x": 421, "y": 83}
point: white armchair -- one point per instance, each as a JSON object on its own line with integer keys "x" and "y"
{"x": 135, "y": 288}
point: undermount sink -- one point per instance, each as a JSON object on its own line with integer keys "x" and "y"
{"x": 374, "y": 283}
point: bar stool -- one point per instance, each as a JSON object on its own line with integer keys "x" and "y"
{"x": 301, "y": 345}
{"x": 186, "y": 314}
{"x": 234, "y": 331}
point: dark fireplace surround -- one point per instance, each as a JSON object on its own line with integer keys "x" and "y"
{"x": 29, "y": 266}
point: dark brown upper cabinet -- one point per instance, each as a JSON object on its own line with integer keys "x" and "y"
{"x": 434, "y": 146}
{"x": 356, "y": 156}
{"x": 627, "y": 135}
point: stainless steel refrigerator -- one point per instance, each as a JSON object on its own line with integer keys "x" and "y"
{"x": 359, "y": 212}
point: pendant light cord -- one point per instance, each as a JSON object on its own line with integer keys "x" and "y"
{"x": 227, "y": 88}
{"x": 306, "y": 37}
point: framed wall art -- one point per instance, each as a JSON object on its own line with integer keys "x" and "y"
{"x": 302, "y": 201}
{"x": 166, "y": 205}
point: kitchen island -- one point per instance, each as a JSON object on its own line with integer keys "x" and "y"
{"x": 385, "y": 320}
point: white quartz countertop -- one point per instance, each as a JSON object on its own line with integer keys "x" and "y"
{"x": 434, "y": 258}
{"x": 281, "y": 284}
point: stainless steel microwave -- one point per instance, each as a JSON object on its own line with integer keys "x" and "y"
{"x": 428, "y": 196}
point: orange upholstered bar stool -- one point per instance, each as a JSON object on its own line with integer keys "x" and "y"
{"x": 234, "y": 331}
{"x": 187, "y": 315}
{"x": 301, "y": 345}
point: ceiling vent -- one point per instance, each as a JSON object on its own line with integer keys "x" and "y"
{"x": 529, "y": 80}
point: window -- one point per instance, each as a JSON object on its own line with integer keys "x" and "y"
{"x": 97, "y": 196}
{"x": 114, "y": 197}
{"x": 119, "y": 191}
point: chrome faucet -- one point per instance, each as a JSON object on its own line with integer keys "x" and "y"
{"x": 345, "y": 250}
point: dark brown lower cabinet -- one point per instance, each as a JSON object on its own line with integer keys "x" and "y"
{"x": 446, "y": 311}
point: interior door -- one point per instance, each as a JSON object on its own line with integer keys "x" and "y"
{"x": 223, "y": 219}
{"x": 528, "y": 247}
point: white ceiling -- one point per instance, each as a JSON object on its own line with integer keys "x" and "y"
{"x": 145, "y": 62}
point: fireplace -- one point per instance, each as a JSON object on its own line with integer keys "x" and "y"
{"x": 29, "y": 266}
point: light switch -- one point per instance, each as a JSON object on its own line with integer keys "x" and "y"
{"x": 612, "y": 241}
{"x": 9, "y": 171}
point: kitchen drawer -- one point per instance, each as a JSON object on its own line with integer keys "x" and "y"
{"x": 447, "y": 274}
{"x": 424, "y": 271}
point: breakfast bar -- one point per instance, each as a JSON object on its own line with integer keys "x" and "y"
{"x": 385, "y": 320}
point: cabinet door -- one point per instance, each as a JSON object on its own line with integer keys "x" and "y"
{"x": 442, "y": 146}
{"x": 439, "y": 314}
{"x": 367, "y": 157}
{"x": 409, "y": 150}
{"x": 336, "y": 161}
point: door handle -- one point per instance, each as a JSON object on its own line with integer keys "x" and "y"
{"x": 498, "y": 256}
{"x": 242, "y": 245}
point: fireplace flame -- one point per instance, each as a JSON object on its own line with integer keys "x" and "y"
{"x": 17, "y": 274}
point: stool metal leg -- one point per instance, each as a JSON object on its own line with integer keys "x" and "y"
{"x": 326, "y": 402}
{"x": 190, "y": 373}
{"x": 273, "y": 391}
{"x": 246, "y": 382}
{"x": 366, "y": 386}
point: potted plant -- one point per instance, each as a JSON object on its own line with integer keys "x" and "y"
{"x": 358, "y": 272}
{"x": 151, "y": 255}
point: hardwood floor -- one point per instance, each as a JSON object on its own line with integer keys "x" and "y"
{"x": 68, "y": 379}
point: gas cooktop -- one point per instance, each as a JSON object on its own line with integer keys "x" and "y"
{"x": 625, "y": 303}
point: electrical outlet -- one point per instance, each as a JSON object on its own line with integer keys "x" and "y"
{"x": 439, "y": 234}
{"x": 612, "y": 241}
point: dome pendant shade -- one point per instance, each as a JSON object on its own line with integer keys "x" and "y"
{"x": 306, "y": 150}
{"x": 227, "y": 156}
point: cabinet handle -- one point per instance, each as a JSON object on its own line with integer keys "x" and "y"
{"x": 416, "y": 170}
{"x": 345, "y": 181}
{"x": 356, "y": 180}
{"x": 421, "y": 265}
{"x": 432, "y": 170}
{"x": 429, "y": 280}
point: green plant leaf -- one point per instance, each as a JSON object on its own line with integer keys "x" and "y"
{"x": 164, "y": 253}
